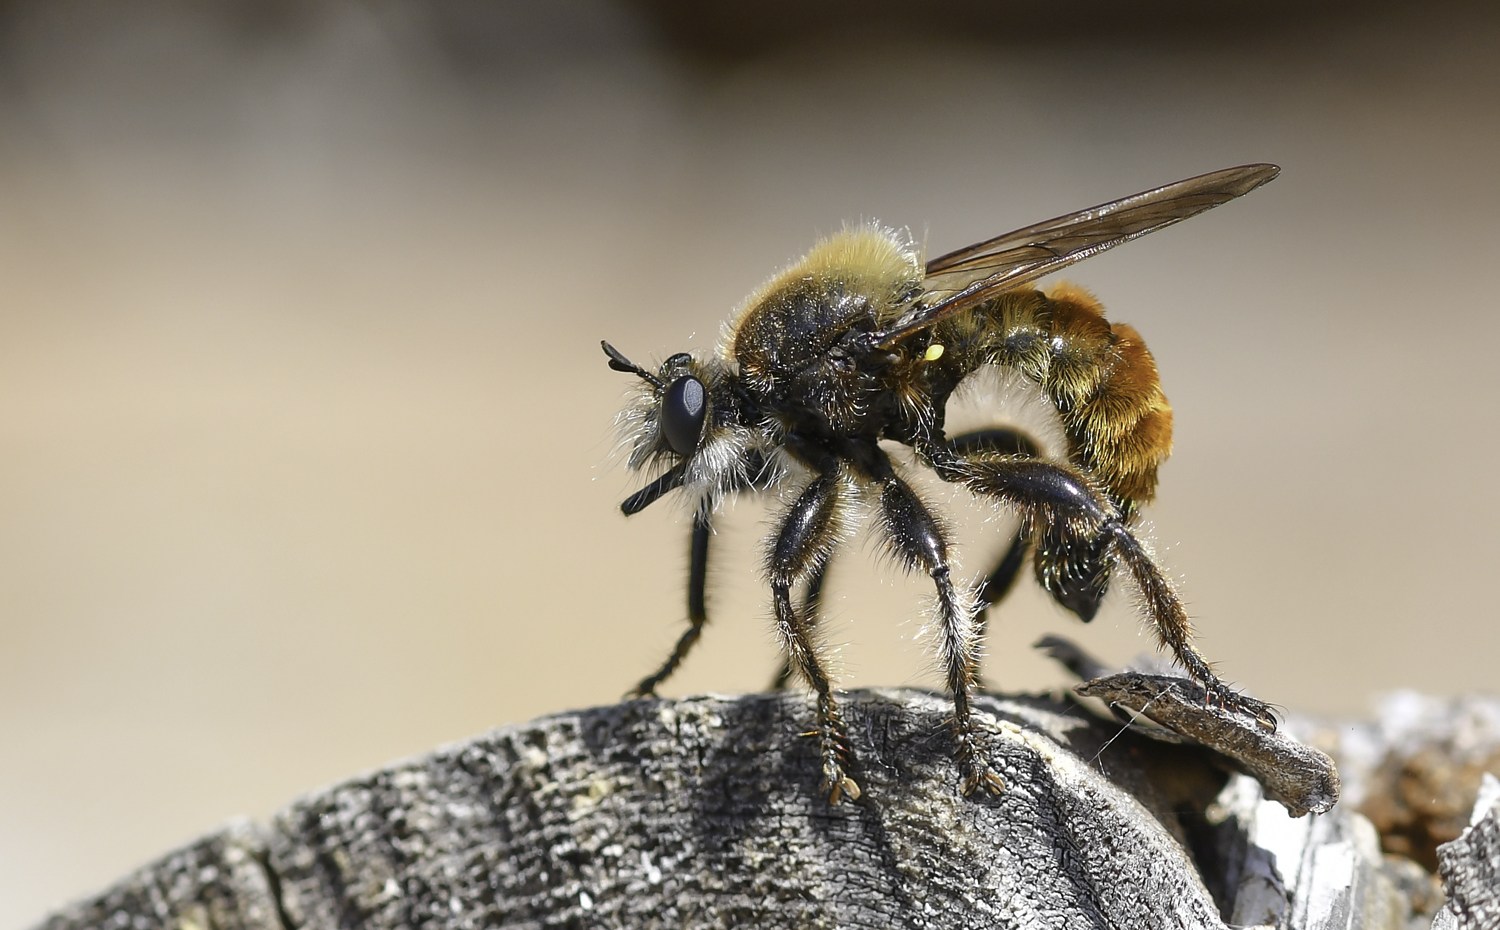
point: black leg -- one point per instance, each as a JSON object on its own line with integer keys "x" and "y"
{"x": 1073, "y": 569}
{"x": 999, "y": 582}
{"x": 1077, "y": 577}
{"x": 998, "y": 441}
{"x": 697, "y": 605}
{"x": 1056, "y": 498}
{"x": 916, "y": 538}
{"x": 810, "y": 602}
{"x": 807, "y": 536}
{"x": 1174, "y": 628}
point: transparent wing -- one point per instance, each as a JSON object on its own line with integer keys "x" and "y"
{"x": 961, "y": 279}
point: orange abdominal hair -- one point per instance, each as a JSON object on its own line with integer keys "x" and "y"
{"x": 1100, "y": 377}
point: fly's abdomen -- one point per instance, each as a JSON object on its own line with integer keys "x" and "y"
{"x": 1100, "y": 376}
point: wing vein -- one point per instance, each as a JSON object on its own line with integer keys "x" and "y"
{"x": 966, "y": 277}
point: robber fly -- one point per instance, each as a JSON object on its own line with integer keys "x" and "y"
{"x": 859, "y": 343}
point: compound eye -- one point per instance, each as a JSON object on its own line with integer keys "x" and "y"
{"x": 682, "y": 414}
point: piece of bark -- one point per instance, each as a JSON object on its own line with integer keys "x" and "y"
{"x": 1301, "y": 777}
{"x": 223, "y": 880}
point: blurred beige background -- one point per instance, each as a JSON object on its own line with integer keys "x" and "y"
{"x": 305, "y": 431}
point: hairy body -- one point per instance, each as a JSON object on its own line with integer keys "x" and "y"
{"x": 861, "y": 343}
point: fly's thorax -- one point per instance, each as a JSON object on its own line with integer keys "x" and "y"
{"x": 853, "y": 280}
{"x": 796, "y": 329}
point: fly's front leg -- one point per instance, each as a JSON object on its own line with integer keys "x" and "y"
{"x": 811, "y": 600}
{"x": 697, "y": 604}
{"x": 916, "y": 538}
{"x": 1056, "y": 498}
{"x": 807, "y": 536}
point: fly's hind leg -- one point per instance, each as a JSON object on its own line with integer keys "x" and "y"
{"x": 697, "y": 605}
{"x": 1073, "y": 574}
{"x": 998, "y": 441}
{"x": 1175, "y": 630}
{"x": 808, "y": 534}
{"x": 1052, "y": 497}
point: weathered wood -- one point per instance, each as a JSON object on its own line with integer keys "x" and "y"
{"x": 1470, "y": 866}
{"x": 707, "y": 812}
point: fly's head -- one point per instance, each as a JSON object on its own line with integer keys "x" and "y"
{"x": 683, "y": 421}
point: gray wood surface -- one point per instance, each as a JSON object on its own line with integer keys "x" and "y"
{"x": 706, "y": 812}
{"x": 1470, "y": 866}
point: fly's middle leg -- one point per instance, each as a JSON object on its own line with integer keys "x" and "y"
{"x": 808, "y": 533}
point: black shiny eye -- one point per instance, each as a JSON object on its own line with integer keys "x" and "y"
{"x": 682, "y": 414}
